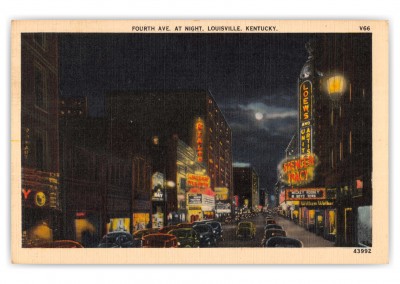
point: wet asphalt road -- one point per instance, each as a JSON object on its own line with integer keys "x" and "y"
{"x": 309, "y": 239}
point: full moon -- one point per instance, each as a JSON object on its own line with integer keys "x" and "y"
{"x": 259, "y": 115}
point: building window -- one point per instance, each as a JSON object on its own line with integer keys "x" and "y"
{"x": 341, "y": 150}
{"x": 350, "y": 142}
{"x": 40, "y": 88}
{"x": 350, "y": 93}
{"x": 40, "y": 151}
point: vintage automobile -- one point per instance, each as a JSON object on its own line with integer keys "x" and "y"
{"x": 283, "y": 242}
{"x": 273, "y": 226}
{"x": 57, "y": 244}
{"x": 272, "y": 233}
{"x": 166, "y": 229}
{"x": 117, "y": 239}
{"x": 185, "y": 225}
{"x": 206, "y": 235}
{"x": 138, "y": 236}
{"x": 187, "y": 237}
{"x": 217, "y": 229}
{"x": 246, "y": 230}
{"x": 270, "y": 221}
{"x": 159, "y": 240}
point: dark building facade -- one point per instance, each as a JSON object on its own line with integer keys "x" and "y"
{"x": 334, "y": 139}
{"x": 146, "y": 122}
{"x": 246, "y": 187}
{"x": 41, "y": 210}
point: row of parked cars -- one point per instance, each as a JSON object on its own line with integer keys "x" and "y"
{"x": 275, "y": 235}
{"x": 186, "y": 235}
{"x": 240, "y": 217}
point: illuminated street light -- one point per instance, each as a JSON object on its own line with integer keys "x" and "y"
{"x": 336, "y": 86}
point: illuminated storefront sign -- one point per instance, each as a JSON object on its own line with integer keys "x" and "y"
{"x": 305, "y": 101}
{"x": 318, "y": 203}
{"x": 118, "y": 225}
{"x": 222, "y": 193}
{"x": 40, "y": 199}
{"x": 305, "y": 112}
{"x": 198, "y": 180}
{"x": 140, "y": 221}
{"x": 305, "y": 193}
{"x": 194, "y": 199}
{"x": 199, "y": 140}
{"x": 305, "y": 140}
{"x": 298, "y": 171}
{"x": 157, "y": 182}
{"x": 223, "y": 207}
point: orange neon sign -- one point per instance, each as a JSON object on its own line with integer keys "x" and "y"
{"x": 199, "y": 141}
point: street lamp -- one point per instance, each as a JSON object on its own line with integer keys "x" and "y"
{"x": 336, "y": 86}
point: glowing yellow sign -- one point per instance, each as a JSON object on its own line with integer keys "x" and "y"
{"x": 40, "y": 199}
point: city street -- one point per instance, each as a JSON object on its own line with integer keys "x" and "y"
{"x": 294, "y": 231}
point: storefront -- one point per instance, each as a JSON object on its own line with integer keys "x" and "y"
{"x": 140, "y": 221}
{"x": 118, "y": 225}
{"x": 87, "y": 227}
{"x": 201, "y": 204}
{"x": 41, "y": 214}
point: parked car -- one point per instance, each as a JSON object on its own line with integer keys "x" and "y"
{"x": 159, "y": 240}
{"x": 185, "y": 225}
{"x": 118, "y": 239}
{"x": 187, "y": 237}
{"x": 166, "y": 229}
{"x": 138, "y": 236}
{"x": 272, "y": 233}
{"x": 283, "y": 242}
{"x": 206, "y": 235}
{"x": 273, "y": 226}
{"x": 246, "y": 230}
{"x": 57, "y": 244}
{"x": 270, "y": 222}
{"x": 217, "y": 229}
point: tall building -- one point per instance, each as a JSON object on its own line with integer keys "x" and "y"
{"x": 41, "y": 210}
{"x": 246, "y": 187}
{"x": 145, "y": 122}
{"x": 333, "y": 165}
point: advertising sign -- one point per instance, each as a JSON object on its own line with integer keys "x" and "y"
{"x": 222, "y": 193}
{"x": 208, "y": 200}
{"x": 318, "y": 203}
{"x": 157, "y": 182}
{"x": 298, "y": 170}
{"x": 198, "y": 180}
{"x": 305, "y": 194}
{"x": 222, "y": 207}
{"x": 118, "y": 224}
{"x": 194, "y": 199}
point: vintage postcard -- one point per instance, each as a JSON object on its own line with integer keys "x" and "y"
{"x": 200, "y": 142}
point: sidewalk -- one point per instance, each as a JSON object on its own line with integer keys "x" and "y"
{"x": 295, "y": 231}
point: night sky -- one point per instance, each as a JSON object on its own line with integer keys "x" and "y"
{"x": 246, "y": 74}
